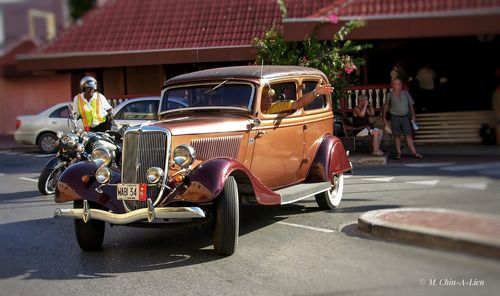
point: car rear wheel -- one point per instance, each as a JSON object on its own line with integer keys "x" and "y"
{"x": 331, "y": 198}
{"x": 47, "y": 143}
{"x": 227, "y": 221}
{"x": 89, "y": 235}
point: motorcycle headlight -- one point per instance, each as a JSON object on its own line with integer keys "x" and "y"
{"x": 154, "y": 175}
{"x": 72, "y": 140}
{"x": 101, "y": 156}
{"x": 103, "y": 175}
{"x": 184, "y": 155}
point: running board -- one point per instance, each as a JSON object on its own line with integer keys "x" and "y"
{"x": 302, "y": 191}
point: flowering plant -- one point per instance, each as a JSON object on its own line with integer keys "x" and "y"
{"x": 336, "y": 58}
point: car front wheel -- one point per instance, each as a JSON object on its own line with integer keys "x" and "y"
{"x": 89, "y": 235}
{"x": 227, "y": 221}
{"x": 331, "y": 198}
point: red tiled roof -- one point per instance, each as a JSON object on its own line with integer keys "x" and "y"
{"x": 24, "y": 45}
{"x": 131, "y": 25}
{"x": 346, "y": 8}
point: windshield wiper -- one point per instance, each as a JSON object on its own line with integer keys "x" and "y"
{"x": 216, "y": 87}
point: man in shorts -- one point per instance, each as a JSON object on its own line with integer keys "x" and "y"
{"x": 399, "y": 104}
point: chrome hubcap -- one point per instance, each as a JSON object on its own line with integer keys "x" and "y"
{"x": 48, "y": 143}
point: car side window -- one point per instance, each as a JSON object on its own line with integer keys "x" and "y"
{"x": 62, "y": 112}
{"x": 319, "y": 102}
{"x": 143, "y": 110}
{"x": 280, "y": 100}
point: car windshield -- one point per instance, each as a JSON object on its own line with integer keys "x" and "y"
{"x": 209, "y": 96}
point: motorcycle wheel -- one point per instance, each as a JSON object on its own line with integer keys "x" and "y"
{"x": 47, "y": 181}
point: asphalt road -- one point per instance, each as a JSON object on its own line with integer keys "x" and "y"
{"x": 290, "y": 250}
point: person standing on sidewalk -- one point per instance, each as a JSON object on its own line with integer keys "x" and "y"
{"x": 426, "y": 97}
{"x": 92, "y": 106}
{"x": 399, "y": 104}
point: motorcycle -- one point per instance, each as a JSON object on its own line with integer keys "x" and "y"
{"x": 75, "y": 146}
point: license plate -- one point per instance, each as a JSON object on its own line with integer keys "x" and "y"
{"x": 132, "y": 191}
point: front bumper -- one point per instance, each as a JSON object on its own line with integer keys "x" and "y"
{"x": 150, "y": 213}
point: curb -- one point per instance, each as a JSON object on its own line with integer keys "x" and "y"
{"x": 19, "y": 148}
{"x": 367, "y": 159}
{"x": 378, "y": 223}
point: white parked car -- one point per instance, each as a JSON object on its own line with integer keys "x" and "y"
{"x": 41, "y": 129}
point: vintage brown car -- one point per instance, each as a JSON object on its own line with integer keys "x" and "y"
{"x": 213, "y": 149}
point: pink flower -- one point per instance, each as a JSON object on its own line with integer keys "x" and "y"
{"x": 332, "y": 18}
{"x": 348, "y": 69}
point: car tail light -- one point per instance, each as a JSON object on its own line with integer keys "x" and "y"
{"x": 18, "y": 123}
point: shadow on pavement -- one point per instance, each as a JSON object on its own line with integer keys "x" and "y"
{"x": 47, "y": 248}
{"x": 360, "y": 209}
{"x": 16, "y": 196}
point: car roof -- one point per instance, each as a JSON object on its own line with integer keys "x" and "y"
{"x": 244, "y": 72}
{"x": 54, "y": 107}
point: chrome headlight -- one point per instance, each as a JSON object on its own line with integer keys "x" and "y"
{"x": 184, "y": 155}
{"x": 154, "y": 175}
{"x": 103, "y": 175}
{"x": 101, "y": 156}
{"x": 59, "y": 134}
{"x": 71, "y": 140}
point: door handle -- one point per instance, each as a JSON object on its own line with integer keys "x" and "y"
{"x": 260, "y": 134}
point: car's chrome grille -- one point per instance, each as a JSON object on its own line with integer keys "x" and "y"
{"x": 208, "y": 148}
{"x": 142, "y": 150}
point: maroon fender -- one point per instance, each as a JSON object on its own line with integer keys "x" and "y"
{"x": 71, "y": 186}
{"x": 207, "y": 180}
{"x": 331, "y": 158}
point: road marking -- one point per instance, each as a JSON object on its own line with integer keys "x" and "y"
{"x": 9, "y": 153}
{"x": 426, "y": 182}
{"x": 476, "y": 186}
{"x": 2, "y": 174}
{"x": 307, "y": 227}
{"x": 429, "y": 165}
{"x": 386, "y": 179}
{"x": 28, "y": 179}
{"x": 347, "y": 176}
{"x": 471, "y": 167}
{"x": 43, "y": 155}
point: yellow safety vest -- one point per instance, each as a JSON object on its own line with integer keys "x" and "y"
{"x": 91, "y": 115}
{"x": 280, "y": 106}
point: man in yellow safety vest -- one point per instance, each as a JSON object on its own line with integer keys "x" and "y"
{"x": 92, "y": 106}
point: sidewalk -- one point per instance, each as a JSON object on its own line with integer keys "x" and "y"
{"x": 7, "y": 142}
{"x": 430, "y": 152}
{"x": 437, "y": 228}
